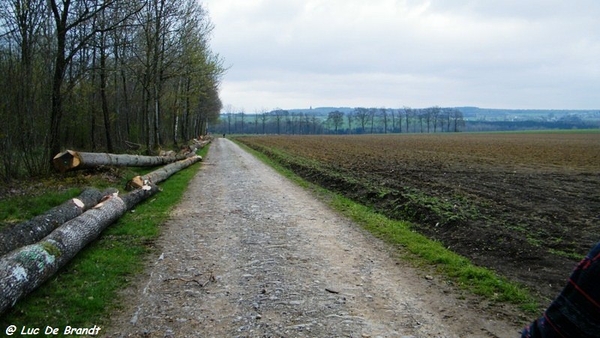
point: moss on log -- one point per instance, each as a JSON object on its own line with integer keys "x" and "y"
{"x": 35, "y": 229}
{"x": 24, "y": 269}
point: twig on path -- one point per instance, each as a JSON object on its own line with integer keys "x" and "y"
{"x": 184, "y": 280}
{"x": 211, "y": 278}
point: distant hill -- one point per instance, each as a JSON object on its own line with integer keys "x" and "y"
{"x": 488, "y": 114}
{"x": 475, "y": 113}
{"x": 322, "y": 110}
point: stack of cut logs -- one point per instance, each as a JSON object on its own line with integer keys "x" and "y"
{"x": 32, "y": 251}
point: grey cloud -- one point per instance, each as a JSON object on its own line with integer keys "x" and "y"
{"x": 506, "y": 53}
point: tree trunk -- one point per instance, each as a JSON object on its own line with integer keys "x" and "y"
{"x": 60, "y": 65}
{"x": 70, "y": 159}
{"x": 56, "y": 108}
{"x": 177, "y": 113}
{"x": 38, "y": 227}
{"x": 25, "y": 269}
{"x": 104, "y": 100}
{"x": 161, "y": 174}
{"x": 156, "y": 126}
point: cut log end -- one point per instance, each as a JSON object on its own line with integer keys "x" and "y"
{"x": 66, "y": 160}
{"x": 78, "y": 203}
{"x": 135, "y": 183}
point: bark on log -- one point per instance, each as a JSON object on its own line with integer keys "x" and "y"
{"x": 71, "y": 159}
{"x": 201, "y": 143}
{"x": 194, "y": 146}
{"x": 161, "y": 174}
{"x": 26, "y": 268}
{"x": 35, "y": 229}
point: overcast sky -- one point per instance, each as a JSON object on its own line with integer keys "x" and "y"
{"x": 392, "y": 53}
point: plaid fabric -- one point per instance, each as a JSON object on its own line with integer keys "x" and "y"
{"x": 576, "y": 310}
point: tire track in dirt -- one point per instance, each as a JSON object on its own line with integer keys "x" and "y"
{"x": 249, "y": 254}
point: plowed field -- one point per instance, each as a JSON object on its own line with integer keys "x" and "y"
{"x": 524, "y": 204}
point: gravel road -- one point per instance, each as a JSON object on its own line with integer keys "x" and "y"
{"x": 249, "y": 254}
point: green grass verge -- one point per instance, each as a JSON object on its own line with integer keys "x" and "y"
{"x": 21, "y": 208}
{"x": 420, "y": 249}
{"x": 49, "y": 194}
{"x": 85, "y": 291}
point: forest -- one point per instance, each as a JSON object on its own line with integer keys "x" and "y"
{"x": 102, "y": 75}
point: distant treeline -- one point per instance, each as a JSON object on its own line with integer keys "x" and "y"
{"x": 380, "y": 120}
{"x": 357, "y": 121}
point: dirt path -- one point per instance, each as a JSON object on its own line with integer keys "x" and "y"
{"x": 249, "y": 254}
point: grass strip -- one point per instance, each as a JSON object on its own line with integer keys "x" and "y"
{"x": 84, "y": 292}
{"x": 21, "y": 208}
{"x": 422, "y": 250}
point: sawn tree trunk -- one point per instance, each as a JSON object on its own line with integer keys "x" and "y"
{"x": 35, "y": 229}
{"x": 24, "y": 269}
{"x": 161, "y": 174}
{"x": 71, "y": 159}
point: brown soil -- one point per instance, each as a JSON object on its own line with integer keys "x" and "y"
{"x": 249, "y": 254}
{"x": 525, "y": 205}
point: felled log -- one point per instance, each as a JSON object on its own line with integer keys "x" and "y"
{"x": 201, "y": 143}
{"x": 194, "y": 146}
{"x": 71, "y": 159}
{"x": 161, "y": 174}
{"x": 33, "y": 230}
{"x": 24, "y": 269}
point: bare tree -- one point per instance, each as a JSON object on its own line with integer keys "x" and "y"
{"x": 256, "y": 119}
{"x": 458, "y": 120}
{"x": 66, "y": 20}
{"x": 71, "y": 32}
{"x": 263, "y": 119}
{"x": 428, "y": 116}
{"x": 350, "y": 117}
{"x": 297, "y": 122}
{"x": 278, "y": 115}
{"x": 362, "y": 115}
{"x": 422, "y": 114}
{"x": 435, "y": 116}
{"x": 315, "y": 124}
{"x": 336, "y": 118}
{"x": 393, "y": 117}
{"x": 287, "y": 122}
{"x": 103, "y": 23}
{"x": 408, "y": 113}
{"x": 306, "y": 123}
{"x": 242, "y": 116}
{"x": 372, "y": 113}
{"x": 383, "y": 114}
{"x": 447, "y": 113}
